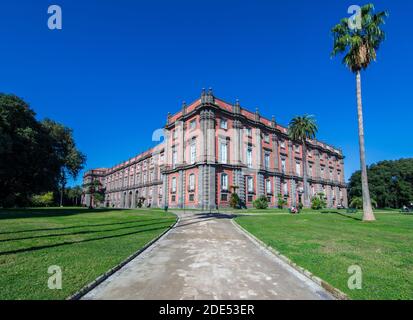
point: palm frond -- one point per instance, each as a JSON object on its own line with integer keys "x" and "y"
{"x": 360, "y": 47}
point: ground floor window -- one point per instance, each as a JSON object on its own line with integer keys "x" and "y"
{"x": 250, "y": 198}
{"x": 224, "y": 197}
{"x": 191, "y": 197}
{"x": 173, "y": 198}
{"x": 269, "y": 199}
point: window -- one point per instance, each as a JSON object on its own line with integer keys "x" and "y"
{"x": 191, "y": 197}
{"x": 249, "y": 157}
{"x": 175, "y": 134}
{"x": 297, "y": 148}
{"x": 250, "y": 184}
{"x": 160, "y": 191}
{"x": 224, "y": 124}
{"x": 250, "y": 198}
{"x": 224, "y": 152}
{"x": 173, "y": 184}
{"x": 173, "y": 198}
{"x": 282, "y": 144}
{"x": 192, "y": 124}
{"x": 268, "y": 186}
{"x": 224, "y": 182}
{"x": 193, "y": 151}
{"x": 283, "y": 167}
{"x": 285, "y": 188}
{"x": 174, "y": 157}
{"x": 191, "y": 182}
{"x": 298, "y": 168}
{"x": 249, "y": 132}
{"x": 267, "y": 160}
{"x": 224, "y": 197}
{"x": 267, "y": 138}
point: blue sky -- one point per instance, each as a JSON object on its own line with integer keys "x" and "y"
{"x": 117, "y": 67}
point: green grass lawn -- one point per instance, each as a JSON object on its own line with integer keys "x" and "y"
{"x": 84, "y": 243}
{"x": 327, "y": 244}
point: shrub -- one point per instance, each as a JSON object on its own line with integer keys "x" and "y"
{"x": 281, "y": 201}
{"x": 42, "y": 200}
{"x": 141, "y": 201}
{"x": 357, "y": 203}
{"x": 318, "y": 202}
{"x": 234, "y": 201}
{"x": 261, "y": 203}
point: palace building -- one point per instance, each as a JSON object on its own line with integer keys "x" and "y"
{"x": 212, "y": 148}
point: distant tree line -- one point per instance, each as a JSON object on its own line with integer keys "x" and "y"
{"x": 36, "y": 157}
{"x": 390, "y": 183}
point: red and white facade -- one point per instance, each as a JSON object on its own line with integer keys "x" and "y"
{"x": 212, "y": 148}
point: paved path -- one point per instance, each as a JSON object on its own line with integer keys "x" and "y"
{"x": 207, "y": 257}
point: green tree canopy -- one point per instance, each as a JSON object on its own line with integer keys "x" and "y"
{"x": 32, "y": 155}
{"x": 390, "y": 183}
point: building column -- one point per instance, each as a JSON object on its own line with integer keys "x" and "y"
{"x": 275, "y": 152}
{"x": 165, "y": 190}
{"x": 181, "y": 189}
{"x": 259, "y": 148}
{"x": 291, "y": 157}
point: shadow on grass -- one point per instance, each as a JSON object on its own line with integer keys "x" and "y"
{"x": 84, "y": 231}
{"x": 47, "y": 212}
{"x": 77, "y": 226}
{"x": 341, "y": 214}
{"x": 65, "y": 243}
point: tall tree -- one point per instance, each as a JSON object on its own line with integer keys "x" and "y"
{"x": 300, "y": 129}
{"x": 390, "y": 183}
{"x": 28, "y": 164}
{"x": 71, "y": 160}
{"x": 359, "y": 40}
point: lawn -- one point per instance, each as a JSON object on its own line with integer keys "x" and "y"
{"x": 83, "y": 243}
{"x": 328, "y": 243}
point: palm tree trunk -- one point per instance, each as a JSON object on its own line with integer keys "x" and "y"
{"x": 306, "y": 202}
{"x": 368, "y": 214}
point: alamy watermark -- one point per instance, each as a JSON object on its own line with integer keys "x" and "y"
{"x": 54, "y": 22}
{"x": 355, "y": 281}
{"x": 355, "y": 20}
{"x": 55, "y": 280}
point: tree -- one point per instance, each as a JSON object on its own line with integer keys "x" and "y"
{"x": 28, "y": 164}
{"x": 359, "y": 44}
{"x": 74, "y": 194}
{"x": 70, "y": 159}
{"x": 357, "y": 203}
{"x": 96, "y": 191}
{"x": 42, "y": 200}
{"x": 300, "y": 129}
{"x": 234, "y": 201}
{"x": 390, "y": 183}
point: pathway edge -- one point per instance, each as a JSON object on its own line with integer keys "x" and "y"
{"x": 338, "y": 294}
{"x": 92, "y": 285}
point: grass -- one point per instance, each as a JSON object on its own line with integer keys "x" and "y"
{"x": 84, "y": 243}
{"x": 328, "y": 244}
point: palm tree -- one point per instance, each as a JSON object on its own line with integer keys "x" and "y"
{"x": 359, "y": 44}
{"x": 300, "y": 129}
